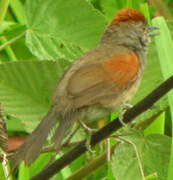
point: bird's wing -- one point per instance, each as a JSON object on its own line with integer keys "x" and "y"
{"x": 92, "y": 82}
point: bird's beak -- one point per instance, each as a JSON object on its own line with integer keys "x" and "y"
{"x": 151, "y": 29}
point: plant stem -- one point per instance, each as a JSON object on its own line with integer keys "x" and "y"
{"x": 8, "y": 50}
{"x": 3, "y": 9}
{"x": 11, "y": 41}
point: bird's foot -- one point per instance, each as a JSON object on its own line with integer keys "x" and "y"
{"x": 123, "y": 110}
{"x": 90, "y": 132}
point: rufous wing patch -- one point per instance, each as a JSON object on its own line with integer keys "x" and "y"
{"x": 122, "y": 69}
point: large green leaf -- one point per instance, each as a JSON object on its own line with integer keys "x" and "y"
{"x": 26, "y": 88}
{"x": 153, "y": 150}
{"x": 164, "y": 44}
{"x": 58, "y": 28}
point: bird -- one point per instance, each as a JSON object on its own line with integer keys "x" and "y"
{"x": 99, "y": 82}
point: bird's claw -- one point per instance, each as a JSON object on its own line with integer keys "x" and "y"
{"x": 125, "y": 107}
{"x": 90, "y": 132}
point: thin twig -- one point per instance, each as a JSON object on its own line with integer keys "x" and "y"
{"x": 137, "y": 155}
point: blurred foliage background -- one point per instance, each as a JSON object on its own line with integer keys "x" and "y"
{"x": 38, "y": 40}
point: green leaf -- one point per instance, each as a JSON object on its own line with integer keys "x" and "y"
{"x": 39, "y": 163}
{"x": 74, "y": 25}
{"x": 151, "y": 177}
{"x": 158, "y": 126}
{"x": 145, "y": 10}
{"x": 164, "y": 44}
{"x": 3, "y": 9}
{"x": 23, "y": 172}
{"x": 51, "y": 48}
{"x": 5, "y": 25}
{"x": 26, "y": 88}
{"x": 110, "y": 8}
{"x": 153, "y": 150}
{"x": 13, "y": 124}
{"x": 17, "y": 8}
{"x": 2, "y": 173}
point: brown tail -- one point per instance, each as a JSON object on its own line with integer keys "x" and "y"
{"x": 64, "y": 127}
{"x": 32, "y": 146}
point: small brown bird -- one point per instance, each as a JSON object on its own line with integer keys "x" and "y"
{"x": 97, "y": 83}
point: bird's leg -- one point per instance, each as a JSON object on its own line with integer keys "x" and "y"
{"x": 70, "y": 136}
{"x": 124, "y": 108}
{"x": 90, "y": 132}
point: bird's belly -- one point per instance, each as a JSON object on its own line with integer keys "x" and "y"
{"x": 95, "y": 112}
{"x": 110, "y": 104}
